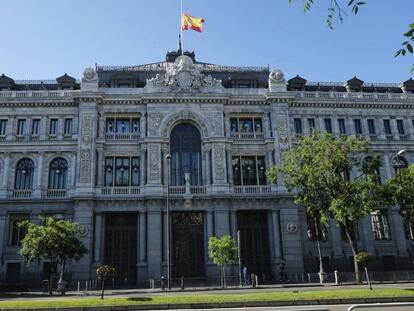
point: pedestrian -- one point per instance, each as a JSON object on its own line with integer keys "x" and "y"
{"x": 282, "y": 273}
{"x": 245, "y": 276}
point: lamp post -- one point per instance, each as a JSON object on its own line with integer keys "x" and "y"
{"x": 317, "y": 236}
{"x": 168, "y": 158}
{"x": 397, "y": 160}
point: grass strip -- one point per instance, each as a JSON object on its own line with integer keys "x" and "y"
{"x": 61, "y": 302}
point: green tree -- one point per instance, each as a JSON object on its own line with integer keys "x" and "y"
{"x": 318, "y": 169}
{"x": 339, "y": 9}
{"x": 55, "y": 241}
{"x": 223, "y": 252}
{"x": 399, "y": 191}
{"x": 105, "y": 273}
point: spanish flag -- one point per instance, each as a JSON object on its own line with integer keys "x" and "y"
{"x": 194, "y": 23}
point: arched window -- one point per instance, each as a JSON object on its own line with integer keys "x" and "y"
{"x": 185, "y": 145}
{"x": 399, "y": 163}
{"x": 58, "y": 172}
{"x": 24, "y": 174}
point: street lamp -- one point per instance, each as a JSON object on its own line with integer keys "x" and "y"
{"x": 168, "y": 158}
{"x": 397, "y": 159}
{"x": 317, "y": 236}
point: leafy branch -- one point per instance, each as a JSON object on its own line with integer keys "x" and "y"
{"x": 407, "y": 46}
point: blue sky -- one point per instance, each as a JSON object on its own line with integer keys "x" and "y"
{"x": 45, "y": 38}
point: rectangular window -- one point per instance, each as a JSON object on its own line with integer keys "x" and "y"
{"x": 358, "y": 126}
{"x": 371, "y": 126}
{"x": 68, "y": 127}
{"x": 409, "y": 230}
{"x": 234, "y": 125}
{"x": 354, "y": 232}
{"x": 380, "y": 225}
{"x": 341, "y": 125}
{"x": 328, "y": 125}
{"x": 246, "y": 125}
{"x": 316, "y": 231}
{"x": 135, "y": 125}
{"x": 122, "y": 172}
{"x": 311, "y": 124}
{"x": 16, "y": 233}
{"x": 110, "y": 125}
{"x": 35, "y": 127}
{"x": 109, "y": 172}
{"x": 298, "y": 125}
{"x": 387, "y": 127}
{"x": 258, "y": 125}
{"x": 135, "y": 172}
{"x": 53, "y": 127}
{"x": 400, "y": 127}
{"x": 249, "y": 170}
{"x": 3, "y": 125}
{"x": 21, "y": 127}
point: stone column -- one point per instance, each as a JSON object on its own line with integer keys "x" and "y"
{"x": 222, "y": 222}
{"x": 208, "y": 165}
{"x": 39, "y": 188}
{"x": 227, "y": 125}
{"x": 336, "y": 238}
{"x": 142, "y": 237}
{"x": 154, "y": 248}
{"x": 277, "y": 240}
{"x": 387, "y": 166}
{"x": 10, "y": 135}
{"x": 143, "y": 125}
{"x": 229, "y": 165}
{"x": 219, "y": 167}
{"x": 101, "y": 164}
{"x": 381, "y": 128}
{"x": 3, "y": 233}
{"x": 98, "y": 238}
{"x": 6, "y": 170}
{"x": 233, "y": 223}
{"x": 73, "y": 170}
{"x": 142, "y": 167}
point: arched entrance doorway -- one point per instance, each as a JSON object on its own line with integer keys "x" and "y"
{"x": 187, "y": 228}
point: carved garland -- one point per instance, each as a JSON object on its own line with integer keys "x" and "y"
{"x": 86, "y": 149}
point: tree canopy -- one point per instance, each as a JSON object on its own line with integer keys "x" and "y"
{"x": 223, "y": 252}
{"x": 318, "y": 169}
{"x": 54, "y": 240}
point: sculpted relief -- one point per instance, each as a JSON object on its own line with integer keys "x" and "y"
{"x": 86, "y": 149}
{"x": 283, "y": 131}
{"x": 154, "y": 122}
{"x": 219, "y": 160}
{"x": 154, "y": 173}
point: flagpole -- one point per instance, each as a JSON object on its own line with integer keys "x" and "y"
{"x": 181, "y": 28}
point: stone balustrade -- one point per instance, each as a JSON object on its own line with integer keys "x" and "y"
{"x": 36, "y": 94}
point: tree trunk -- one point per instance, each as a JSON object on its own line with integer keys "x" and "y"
{"x": 62, "y": 270}
{"x": 224, "y": 276}
{"x": 51, "y": 277}
{"x": 354, "y": 249}
{"x": 103, "y": 288}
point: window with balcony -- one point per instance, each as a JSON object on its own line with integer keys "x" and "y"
{"x": 341, "y": 125}
{"x": 3, "y": 127}
{"x": 249, "y": 170}
{"x": 298, "y": 125}
{"x": 122, "y": 128}
{"x": 358, "y": 126}
{"x": 53, "y": 129}
{"x": 380, "y": 225}
{"x": 371, "y": 127}
{"x": 401, "y": 130}
{"x": 58, "y": 174}
{"x": 311, "y": 124}
{"x": 21, "y": 128}
{"x": 122, "y": 172}
{"x": 328, "y": 125}
{"x": 35, "y": 128}
{"x": 67, "y": 131}
{"x": 24, "y": 174}
{"x": 246, "y": 128}
{"x": 17, "y": 233}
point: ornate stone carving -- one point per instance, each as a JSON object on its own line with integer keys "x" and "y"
{"x": 83, "y": 231}
{"x": 277, "y": 81}
{"x": 154, "y": 173}
{"x": 219, "y": 162}
{"x": 282, "y": 130}
{"x": 154, "y": 122}
{"x": 183, "y": 76}
{"x": 216, "y": 121}
{"x": 86, "y": 149}
{"x": 89, "y": 80}
{"x": 292, "y": 228}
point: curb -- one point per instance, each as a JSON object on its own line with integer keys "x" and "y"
{"x": 219, "y": 305}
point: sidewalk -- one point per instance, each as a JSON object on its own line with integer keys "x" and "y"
{"x": 139, "y": 293}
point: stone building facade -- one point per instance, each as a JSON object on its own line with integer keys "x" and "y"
{"x": 112, "y": 150}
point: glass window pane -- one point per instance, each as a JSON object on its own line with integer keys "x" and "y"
{"x": 258, "y": 126}
{"x": 236, "y": 171}
{"x": 249, "y": 171}
{"x": 246, "y": 125}
{"x": 261, "y": 167}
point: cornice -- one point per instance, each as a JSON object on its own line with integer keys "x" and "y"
{"x": 187, "y": 100}
{"x": 71, "y": 103}
{"x": 341, "y": 104}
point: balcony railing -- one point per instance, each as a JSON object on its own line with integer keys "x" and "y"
{"x": 22, "y": 193}
{"x": 247, "y": 135}
{"x": 180, "y": 190}
{"x": 35, "y": 94}
{"x": 357, "y": 95}
{"x": 122, "y": 136}
{"x": 56, "y": 193}
{"x": 120, "y": 191}
{"x": 252, "y": 189}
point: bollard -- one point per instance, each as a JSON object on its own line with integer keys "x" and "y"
{"x": 336, "y": 272}
{"x": 309, "y": 277}
{"x": 303, "y": 278}
{"x": 162, "y": 283}
{"x": 256, "y": 279}
{"x": 253, "y": 280}
{"x": 296, "y": 278}
{"x": 408, "y": 276}
{"x": 86, "y": 286}
{"x": 78, "y": 288}
{"x": 182, "y": 283}
{"x": 126, "y": 282}
{"x": 113, "y": 282}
